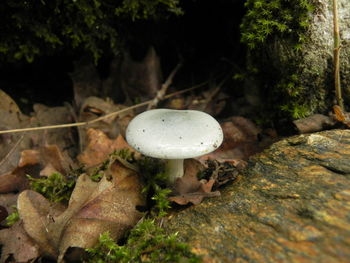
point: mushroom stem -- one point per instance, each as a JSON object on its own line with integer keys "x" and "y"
{"x": 174, "y": 168}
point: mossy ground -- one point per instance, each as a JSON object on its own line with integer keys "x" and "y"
{"x": 147, "y": 241}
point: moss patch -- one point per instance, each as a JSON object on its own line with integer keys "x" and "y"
{"x": 275, "y": 32}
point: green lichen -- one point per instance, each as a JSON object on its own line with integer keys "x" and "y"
{"x": 267, "y": 26}
{"x": 146, "y": 243}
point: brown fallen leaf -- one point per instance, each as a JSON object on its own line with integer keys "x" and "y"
{"x": 314, "y": 123}
{"x": 7, "y": 103}
{"x": 33, "y": 207}
{"x": 3, "y": 215}
{"x": 29, "y": 157}
{"x": 99, "y": 146}
{"x": 188, "y": 189}
{"x": 94, "y": 107}
{"x": 94, "y": 207}
{"x": 42, "y": 161}
{"x": 16, "y": 243}
{"x": 196, "y": 197}
{"x": 52, "y": 155}
{"x": 223, "y": 172}
{"x": 17, "y": 180}
{"x": 341, "y": 116}
{"x": 63, "y": 138}
{"x": 240, "y": 140}
{"x": 8, "y": 201}
{"x": 7, "y": 204}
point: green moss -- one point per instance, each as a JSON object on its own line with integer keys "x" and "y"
{"x": 267, "y": 26}
{"x": 146, "y": 243}
{"x": 155, "y": 185}
{"x": 268, "y": 18}
{"x": 124, "y": 155}
{"x": 34, "y": 28}
{"x": 55, "y": 187}
{"x": 12, "y": 218}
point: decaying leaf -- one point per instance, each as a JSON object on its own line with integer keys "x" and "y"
{"x": 7, "y": 103}
{"x": 188, "y": 189}
{"x": 223, "y": 172}
{"x": 17, "y": 179}
{"x": 241, "y": 140}
{"x": 341, "y": 116}
{"x": 42, "y": 161}
{"x": 99, "y": 146}
{"x": 33, "y": 207}
{"x": 8, "y": 201}
{"x": 141, "y": 78}
{"x": 94, "y": 107}
{"x": 94, "y": 207}
{"x": 3, "y": 214}
{"x": 16, "y": 243}
{"x": 196, "y": 197}
{"x": 314, "y": 123}
{"x": 63, "y": 137}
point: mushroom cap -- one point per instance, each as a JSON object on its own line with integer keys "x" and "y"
{"x": 174, "y": 134}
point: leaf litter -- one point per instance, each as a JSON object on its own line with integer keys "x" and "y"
{"x": 107, "y": 192}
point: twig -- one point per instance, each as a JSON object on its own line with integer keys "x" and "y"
{"x": 336, "y": 55}
{"x": 112, "y": 114}
{"x": 213, "y": 93}
{"x": 161, "y": 93}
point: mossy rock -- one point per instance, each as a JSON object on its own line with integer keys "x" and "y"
{"x": 294, "y": 66}
{"x": 292, "y": 204}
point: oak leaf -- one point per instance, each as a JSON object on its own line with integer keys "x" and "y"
{"x": 94, "y": 207}
{"x": 16, "y": 243}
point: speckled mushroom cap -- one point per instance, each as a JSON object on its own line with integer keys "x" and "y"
{"x": 174, "y": 134}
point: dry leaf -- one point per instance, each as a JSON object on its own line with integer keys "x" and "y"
{"x": 29, "y": 157}
{"x": 48, "y": 159}
{"x": 188, "y": 189}
{"x": 240, "y": 141}
{"x": 99, "y": 146}
{"x": 341, "y": 116}
{"x": 8, "y": 201}
{"x": 94, "y": 107}
{"x": 141, "y": 79}
{"x": 314, "y": 123}
{"x": 37, "y": 213}
{"x": 3, "y": 214}
{"x": 109, "y": 205}
{"x": 63, "y": 137}
{"x": 196, "y": 197}
{"x": 16, "y": 243}
{"x": 17, "y": 179}
{"x": 7, "y": 103}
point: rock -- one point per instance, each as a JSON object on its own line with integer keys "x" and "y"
{"x": 292, "y": 204}
{"x": 300, "y": 80}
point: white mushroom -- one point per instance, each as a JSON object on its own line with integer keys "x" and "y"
{"x": 174, "y": 135}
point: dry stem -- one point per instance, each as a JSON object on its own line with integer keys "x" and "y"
{"x": 336, "y": 57}
{"x": 112, "y": 114}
